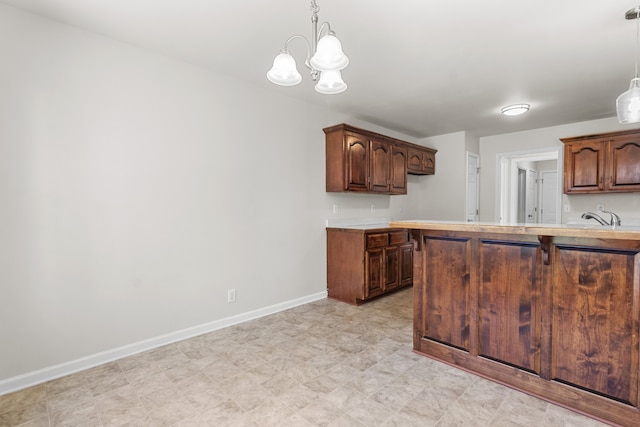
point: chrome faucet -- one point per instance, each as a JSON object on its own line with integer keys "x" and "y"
{"x": 615, "y": 219}
{"x": 591, "y": 215}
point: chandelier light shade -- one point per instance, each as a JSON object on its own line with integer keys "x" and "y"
{"x": 329, "y": 55}
{"x": 284, "y": 71}
{"x": 331, "y": 83}
{"x": 325, "y": 59}
{"x": 628, "y": 103}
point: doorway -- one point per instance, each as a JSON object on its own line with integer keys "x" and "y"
{"x": 525, "y": 194}
{"x": 548, "y": 189}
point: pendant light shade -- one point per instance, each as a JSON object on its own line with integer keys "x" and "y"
{"x": 284, "y": 71}
{"x": 628, "y": 104}
{"x": 331, "y": 83}
{"x": 329, "y": 55}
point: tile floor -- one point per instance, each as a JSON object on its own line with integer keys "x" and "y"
{"x": 322, "y": 364}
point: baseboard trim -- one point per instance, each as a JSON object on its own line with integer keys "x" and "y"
{"x": 50, "y": 373}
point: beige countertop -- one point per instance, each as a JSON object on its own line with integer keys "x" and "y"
{"x": 366, "y": 227}
{"x": 565, "y": 230}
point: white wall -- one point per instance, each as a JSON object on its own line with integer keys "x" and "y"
{"x": 443, "y": 194}
{"x": 136, "y": 189}
{"x": 627, "y": 205}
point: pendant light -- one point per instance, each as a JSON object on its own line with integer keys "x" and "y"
{"x": 325, "y": 59}
{"x": 628, "y": 103}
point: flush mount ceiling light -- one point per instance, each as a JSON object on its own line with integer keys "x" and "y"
{"x": 628, "y": 103}
{"x": 325, "y": 59}
{"x": 515, "y": 110}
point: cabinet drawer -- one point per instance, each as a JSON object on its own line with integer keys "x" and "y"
{"x": 377, "y": 240}
{"x": 398, "y": 237}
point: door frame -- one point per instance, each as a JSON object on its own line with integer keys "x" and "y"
{"x": 470, "y": 154}
{"x": 507, "y": 180}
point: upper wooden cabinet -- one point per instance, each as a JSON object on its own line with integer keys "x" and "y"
{"x": 607, "y": 162}
{"x": 365, "y": 161}
{"x": 421, "y": 161}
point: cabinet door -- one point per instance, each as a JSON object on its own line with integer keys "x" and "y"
{"x": 406, "y": 264}
{"x": 445, "y": 300}
{"x": 392, "y": 268}
{"x": 624, "y": 164}
{"x": 380, "y": 166}
{"x": 584, "y": 167}
{"x": 509, "y": 302}
{"x": 429, "y": 162}
{"x": 594, "y": 329}
{"x": 374, "y": 272}
{"x": 357, "y": 162}
{"x": 398, "y": 173}
{"x": 415, "y": 161}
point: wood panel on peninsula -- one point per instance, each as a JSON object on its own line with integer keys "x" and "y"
{"x": 550, "y": 310}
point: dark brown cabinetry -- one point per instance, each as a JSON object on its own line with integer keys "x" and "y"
{"x": 602, "y": 163}
{"x": 363, "y": 264}
{"x": 595, "y": 318}
{"x": 555, "y": 316}
{"x": 364, "y": 161}
{"x": 387, "y": 168}
{"x": 421, "y": 161}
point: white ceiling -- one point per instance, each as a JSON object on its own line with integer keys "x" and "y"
{"x": 420, "y": 67}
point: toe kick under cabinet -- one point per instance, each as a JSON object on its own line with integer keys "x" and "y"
{"x": 365, "y": 264}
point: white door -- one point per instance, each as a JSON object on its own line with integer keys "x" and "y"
{"x": 548, "y": 199}
{"x": 473, "y": 186}
{"x": 532, "y": 197}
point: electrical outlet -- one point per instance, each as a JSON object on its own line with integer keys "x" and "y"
{"x": 231, "y": 295}
{"x": 567, "y": 208}
{"x": 373, "y": 208}
{"x": 600, "y": 207}
{"x": 336, "y": 208}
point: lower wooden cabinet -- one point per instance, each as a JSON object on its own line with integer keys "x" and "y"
{"x": 364, "y": 264}
{"x": 595, "y": 317}
{"x": 558, "y": 317}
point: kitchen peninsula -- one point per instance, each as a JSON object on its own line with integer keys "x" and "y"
{"x": 551, "y": 310}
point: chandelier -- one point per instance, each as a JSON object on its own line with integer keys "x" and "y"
{"x": 325, "y": 59}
